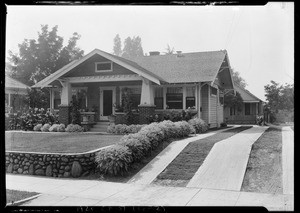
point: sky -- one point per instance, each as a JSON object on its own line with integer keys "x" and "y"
{"x": 259, "y": 39}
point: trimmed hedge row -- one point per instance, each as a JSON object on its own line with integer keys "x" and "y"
{"x": 58, "y": 128}
{"x": 132, "y": 148}
{"x": 124, "y": 129}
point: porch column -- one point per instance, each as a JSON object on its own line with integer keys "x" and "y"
{"x": 64, "y": 108}
{"x": 199, "y": 101}
{"x": 146, "y": 107}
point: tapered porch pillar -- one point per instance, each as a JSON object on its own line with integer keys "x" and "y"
{"x": 146, "y": 107}
{"x": 64, "y": 108}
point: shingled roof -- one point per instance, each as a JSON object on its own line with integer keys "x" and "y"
{"x": 13, "y": 83}
{"x": 246, "y": 95}
{"x": 183, "y": 68}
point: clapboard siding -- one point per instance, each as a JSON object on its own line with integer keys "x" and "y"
{"x": 204, "y": 103}
{"x": 213, "y": 111}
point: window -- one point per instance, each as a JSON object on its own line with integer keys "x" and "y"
{"x": 232, "y": 110}
{"x": 57, "y": 99}
{"x": 103, "y": 66}
{"x": 214, "y": 91}
{"x": 135, "y": 94}
{"x": 174, "y": 98}
{"x": 81, "y": 94}
{"x": 247, "y": 108}
{"x": 159, "y": 98}
{"x": 190, "y": 100}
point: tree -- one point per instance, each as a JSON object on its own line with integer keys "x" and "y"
{"x": 238, "y": 80}
{"x": 233, "y": 100}
{"x": 40, "y": 58}
{"x": 279, "y": 97}
{"x": 117, "y": 46}
{"x": 170, "y": 50}
{"x": 132, "y": 47}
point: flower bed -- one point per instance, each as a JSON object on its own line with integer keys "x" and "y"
{"x": 132, "y": 148}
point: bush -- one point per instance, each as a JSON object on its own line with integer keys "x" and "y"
{"x": 114, "y": 160}
{"x": 199, "y": 125}
{"x": 45, "y": 128}
{"x": 61, "y": 128}
{"x": 37, "y": 127}
{"x": 74, "y": 128}
{"x": 54, "y": 128}
{"x": 123, "y": 129}
{"x": 223, "y": 124}
{"x": 137, "y": 148}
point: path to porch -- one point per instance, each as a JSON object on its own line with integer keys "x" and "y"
{"x": 288, "y": 160}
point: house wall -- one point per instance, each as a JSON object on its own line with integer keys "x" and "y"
{"x": 87, "y": 68}
{"x": 240, "y": 117}
{"x": 204, "y": 103}
{"x": 213, "y": 111}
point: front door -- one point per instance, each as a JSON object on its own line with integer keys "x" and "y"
{"x": 106, "y": 102}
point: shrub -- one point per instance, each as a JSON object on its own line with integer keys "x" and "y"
{"x": 123, "y": 129}
{"x": 199, "y": 125}
{"x": 54, "y": 128}
{"x": 37, "y": 127}
{"x": 114, "y": 160}
{"x": 184, "y": 128}
{"x": 137, "y": 148}
{"x": 61, "y": 128}
{"x": 74, "y": 128}
{"x": 45, "y": 128}
{"x": 223, "y": 124}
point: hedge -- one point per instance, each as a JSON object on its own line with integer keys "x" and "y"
{"x": 132, "y": 148}
{"x": 124, "y": 129}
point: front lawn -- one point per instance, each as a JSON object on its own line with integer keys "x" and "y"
{"x": 57, "y": 142}
{"x": 264, "y": 169}
{"x": 13, "y": 196}
{"x": 185, "y": 165}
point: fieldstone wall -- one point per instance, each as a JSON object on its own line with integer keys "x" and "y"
{"x": 52, "y": 165}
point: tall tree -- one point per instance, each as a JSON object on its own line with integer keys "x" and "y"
{"x": 39, "y": 58}
{"x": 117, "y": 46}
{"x": 238, "y": 80}
{"x": 132, "y": 47}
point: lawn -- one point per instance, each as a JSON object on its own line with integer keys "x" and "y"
{"x": 13, "y": 196}
{"x": 264, "y": 169}
{"x": 185, "y": 165}
{"x": 57, "y": 142}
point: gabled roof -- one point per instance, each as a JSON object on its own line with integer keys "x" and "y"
{"x": 246, "y": 95}
{"x": 14, "y": 84}
{"x": 186, "y": 68}
{"x": 183, "y": 68}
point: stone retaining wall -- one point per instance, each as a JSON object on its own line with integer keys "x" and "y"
{"x": 50, "y": 164}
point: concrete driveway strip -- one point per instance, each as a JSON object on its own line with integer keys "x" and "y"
{"x": 161, "y": 161}
{"x": 288, "y": 160}
{"x": 225, "y": 165}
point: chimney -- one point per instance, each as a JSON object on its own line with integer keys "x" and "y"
{"x": 154, "y": 53}
{"x": 179, "y": 54}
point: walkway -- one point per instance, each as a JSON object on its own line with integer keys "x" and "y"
{"x": 225, "y": 165}
{"x": 72, "y": 192}
{"x": 161, "y": 161}
{"x": 288, "y": 160}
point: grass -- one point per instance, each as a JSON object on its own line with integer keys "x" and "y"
{"x": 13, "y": 196}
{"x": 185, "y": 165}
{"x": 57, "y": 142}
{"x": 264, "y": 168}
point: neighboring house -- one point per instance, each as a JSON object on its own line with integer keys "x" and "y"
{"x": 252, "y": 107}
{"x": 159, "y": 83}
{"x": 15, "y": 92}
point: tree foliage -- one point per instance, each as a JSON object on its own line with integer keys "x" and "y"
{"x": 279, "y": 97}
{"x": 39, "y": 58}
{"x": 238, "y": 80}
{"x": 169, "y": 50}
{"x": 233, "y": 100}
{"x": 132, "y": 47}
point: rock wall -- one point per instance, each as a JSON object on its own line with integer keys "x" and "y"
{"x": 52, "y": 165}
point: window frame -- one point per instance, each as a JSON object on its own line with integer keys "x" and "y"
{"x": 105, "y": 62}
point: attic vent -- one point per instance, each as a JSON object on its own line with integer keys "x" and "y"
{"x": 154, "y": 53}
{"x": 179, "y": 54}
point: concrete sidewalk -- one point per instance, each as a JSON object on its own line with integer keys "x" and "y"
{"x": 163, "y": 159}
{"x": 288, "y": 160}
{"x": 72, "y": 192}
{"x": 225, "y": 165}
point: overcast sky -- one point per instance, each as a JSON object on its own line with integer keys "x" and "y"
{"x": 259, "y": 39}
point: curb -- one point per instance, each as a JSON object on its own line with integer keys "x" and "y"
{"x": 23, "y": 201}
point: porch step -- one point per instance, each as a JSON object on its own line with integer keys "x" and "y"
{"x": 100, "y": 126}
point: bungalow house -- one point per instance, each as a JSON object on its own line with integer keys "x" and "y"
{"x": 15, "y": 92}
{"x": 158, "y": 83}
{"x": 251, "y": 108}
